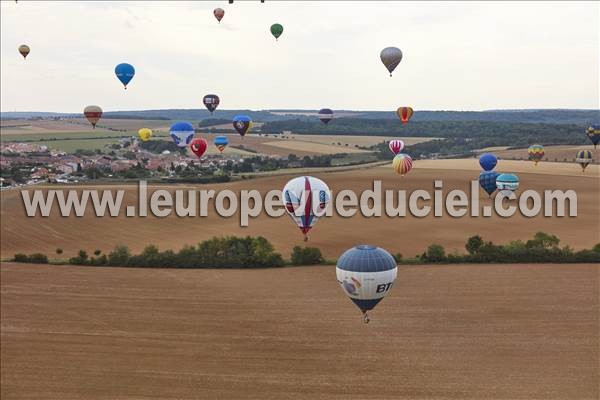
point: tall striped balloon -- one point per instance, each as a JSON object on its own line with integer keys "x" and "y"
{"x": 402, "y": 164}
{"x": 404, "y": 113}
{"x": 536, "y": 153}
{"x": 396, "y": 146}
{"x": 584, "y": 158}
{"x": 93, "y": 114}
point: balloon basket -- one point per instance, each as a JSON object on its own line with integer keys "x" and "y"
{"x": 366, "y": 318}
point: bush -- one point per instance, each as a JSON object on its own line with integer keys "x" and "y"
{"x": 119, "y": 256}
{"x": 35, "y": 258}
{"x": 435, "y": 253}
{"x": 20, "y": 257}
{"x": 306, "y": 256}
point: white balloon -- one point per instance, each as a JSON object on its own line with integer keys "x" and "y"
{"x": 306, "y": 199}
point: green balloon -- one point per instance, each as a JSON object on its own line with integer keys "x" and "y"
{"x": 276, "y": 30}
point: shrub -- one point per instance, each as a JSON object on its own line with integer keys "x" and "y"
{"x": 435, "y": 253}
{"x": 20, "y": 257}
{"x": 38, "y": 258}
{"x": 119, "y": 256}
{"x": 306, "y": 256}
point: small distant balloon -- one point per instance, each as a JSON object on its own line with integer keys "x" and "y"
{"x": 396, "y": 146}
{"x": 198, "y": 146}
{"x": 507, "y": 183}
{"x": 182, "y": 133}
{"x": 584, "y": 158}
{"x": 276, "y": 30}
{"x": 488, "y": 161}
{"x": 24, "y": 50}
{"x": 145, "y": 134}
{"x": 391, "y": 57}
{"x": 125, "y": 73}
{"x": 221, "y": 143}
{"x": 404, "y": 113}
{"x": 211, "y": 102}
{"x": 593, "y": 133}
{"x": 219, "y": 13}
{"x": 93, "y": 114}
{"x": 242, "y": 124}
{"x": 487, "y": 181}
{"x": 402, "y": 164}
{"x": 536, "y": 153}
{"x": 325, "y": 115}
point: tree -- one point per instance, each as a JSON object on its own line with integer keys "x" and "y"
{"x": 473, "y": 244}
{"x": 435, "y": 253}
{"x": 119, "y": 256}
{"x": 306, "y": 256}
{"x": 59, "y": 251}
{"x": 543, "y": 240}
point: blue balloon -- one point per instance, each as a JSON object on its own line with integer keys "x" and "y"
{"x": 487, "y": 181}
{"x": 182, "y": 133}
{"x": 507, "y": 182}
{"x": 125, "y": 73}
{"x": 488, "y": 161}
{"x": 221, "y": 141}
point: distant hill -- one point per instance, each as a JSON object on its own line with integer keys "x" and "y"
{"x": 559, "y": 116}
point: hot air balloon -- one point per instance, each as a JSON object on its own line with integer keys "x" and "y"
{"x": 396, "y": 146}
{"x": 145, "y": 134}
{"x": 125, "y": 73}
{"x": 402, "y": 164}
{"x": 198, "y": 146}
{"x": 507, "y": 183}
{"x": 391, "y": 57}
{"x": 325, "y": 115}
{"x": 593, "y": 133}
{"x": 366, "y": 274}
{"x": 219, "y": 13}
{"x": 536, "y": 153}
{"x": 182, "y": 133}
{"x": 306, "y": 199}
{"x": 488, "y": 161}
{"x": 93, "y": 114}
{"x": 242, "y": 124}
{"x": 487, "y": 181}
{"x": 24, "y": 50}
{"x": 221, "y": 142}
{"x": 584, "y": 158}
{"x": 211, "y": 102}
{"x": 404, "y": 113}
{"x": 276, "y": 30}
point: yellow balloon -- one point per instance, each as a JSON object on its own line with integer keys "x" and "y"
{"x": 145, "y": 134}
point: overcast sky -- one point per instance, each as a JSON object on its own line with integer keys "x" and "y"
{"x": 457, "y": 56}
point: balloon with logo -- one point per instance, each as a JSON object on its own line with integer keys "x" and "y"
{"x": 404, "y": 113}
{"x": 325, "y": 115}
{"x": 584, "y": 158}
{"x": 198, "y": 146}
{"x": 402, "y": 164}
{"x": 536, "y": 153}
{"x": 306, "y": 199}
{"x": 145, "y": 134}
{"x": 182, "y": 133}
{"x": 488, "y": 161}
{"x": 507, "y": 183}
{"x": 487, "y": 181}
{"x": 24, "y": 50}
{"x": 211, "y": 102}
{"x": 276, "y": 30}
{"x": 221, "y": 142}
{"x": 242, "y": 124}
{"x": 125, "y": 73}
{"x": 396, "y": 146}
{"x": 92, "y": 114}
{"x": 593, "y": 133}
{"x": 219, "y": 13}
{"x": 366, "y": 274}
{"x": 391, "y": 57}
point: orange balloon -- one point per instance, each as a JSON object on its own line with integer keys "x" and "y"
{"x": 404, "y": 113}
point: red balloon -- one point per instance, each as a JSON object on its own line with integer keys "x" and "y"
{"x": 198, "y": 146}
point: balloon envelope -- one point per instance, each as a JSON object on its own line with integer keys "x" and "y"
{"x": 211, "y": 102}
{"x": 402, "y": 164}
{"x": 145, "y": 134}
{"x": 536, "y": 153}
{"x": 584, "y": 158}
{"x": 306, "y": 199}
{"x": 125, "y": 73}
{"x": 219, "y": 13}
{"x": 198, "y": 146}
{"x": 221, "y": 142}
{"x": 366, "y": 274}
{"x": 488, "y": 161}
{"x": 325, "y": 115}
{"x": 593, "y": 133}
{"x": 182, "y": 133}
{"x": 404, "y": 113}
{"x": 487, "y": 181}
{"x": 391, "y": 57}
{"x": 24, "y": 50}
{"x": 276, "y": 30}
{"x": 242, "y": 124}
{"x": 396, "y": 146}
{"x": 507, "y": 182}
{"x": 93, "y": 114}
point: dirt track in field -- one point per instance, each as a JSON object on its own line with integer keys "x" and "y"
{"x": 444, "y": 332}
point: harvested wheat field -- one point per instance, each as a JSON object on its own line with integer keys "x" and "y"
{"x": 408, "y": 235}
{"x": 444, "y": 332}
